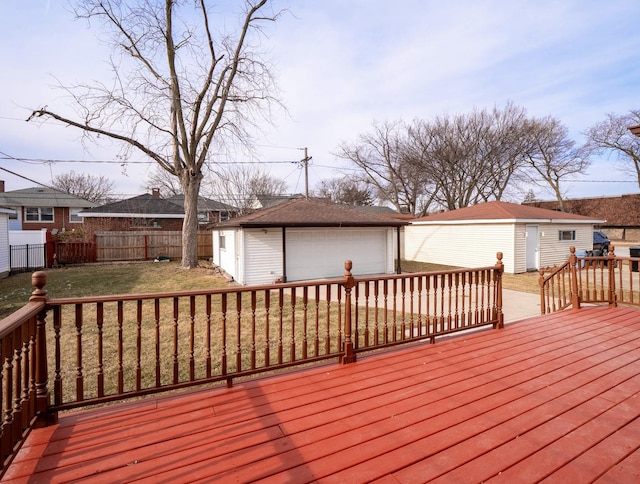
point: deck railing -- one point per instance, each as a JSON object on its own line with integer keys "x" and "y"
{"x": 60, "y": 354}
{"x": 582, "y": 280}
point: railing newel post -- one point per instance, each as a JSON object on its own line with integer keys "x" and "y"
{"x": 611, "y": 257}
{"x": 349, "y": 355}
{"x": 499, "y": 269}
{"x": 573, "y": 263}
{"x": 39, "y": 294}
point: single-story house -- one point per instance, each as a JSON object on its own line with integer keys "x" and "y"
{"x": 144, "y": 212}
{"x": 305, "y": 239}
{"x": 528, "y": 237}
{"x": 40, "y": 208}
{"x": 5, "y": 258}
{"x": 209, "y": 211}
{"x": 621, "y": 212}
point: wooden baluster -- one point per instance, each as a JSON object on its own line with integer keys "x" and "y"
{"x": 7, "y": 420}
{"x": 403, "y": 314}
{"x": 120, "y": 348}
{"x": 238, "y": 331}
{"x": 156, "y": 317}
{"x": 394, "y": 311}
{"x": 280, "y": 323}
{"x": 138, "y": 344}
{"x": 327, "y": 327}
{"x": 223, "y": 356}
{"x": 305, "y": 303}
{"x": 176, "y": 359}
{"x": 253, "y": 329}
{"x": 267, "y": 332}
{"x": 385, "y": 325}
{"x": 192, "y": 338}
{"x": 366, "y": 314}
{"x": 18, "y": 365}
{"x": 79, "y": 362}
{"x": 376, "y": 298}
{"x": 208, "y": 357}
{"x": 99, "y": 324}
{"x": 412, "y": 330}
{"x": 57, "y": 382}
{"x": 292, "y": 336}
{"x": 316, "y": 338}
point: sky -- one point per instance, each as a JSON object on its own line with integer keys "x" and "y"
{"x": 341, "y": 66}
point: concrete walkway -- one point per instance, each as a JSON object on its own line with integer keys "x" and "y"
{"x": 518, "y": 305}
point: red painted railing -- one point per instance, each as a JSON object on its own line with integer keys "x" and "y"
{"x": 609, "y": 280}
{"x": 60, "y": 354}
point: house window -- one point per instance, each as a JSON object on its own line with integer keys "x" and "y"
{"x": 203, "y": 217}
{"x": 224, "y": 216}
{"x": 14, "y": 215}
{"x": 566, "y": 235}
{"x": 223, "y": 241}
{"x": 39, "y": 214}
{"x": 73, "y": 215}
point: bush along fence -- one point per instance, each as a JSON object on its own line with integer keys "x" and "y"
{"x": 60, "y": 354}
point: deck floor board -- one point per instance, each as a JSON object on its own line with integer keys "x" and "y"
{"x": 555, "y": 397}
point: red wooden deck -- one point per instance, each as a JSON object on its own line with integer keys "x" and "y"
{"x": 555, "y": 397}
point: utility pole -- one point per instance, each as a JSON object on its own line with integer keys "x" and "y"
{"x": 305, "y": 163}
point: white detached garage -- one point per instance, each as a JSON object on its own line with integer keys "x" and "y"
{"x": 305, "y": 239}
{"x": 528, "y": 237}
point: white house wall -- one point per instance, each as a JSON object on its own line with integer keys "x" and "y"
{"x": 554, "y": 251}
{"x": 4, "y": 245}
{"x": 461, "y": 245}
{"x": 226, "y": 257}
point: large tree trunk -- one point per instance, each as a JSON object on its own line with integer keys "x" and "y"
{"x": 191, "y": 188}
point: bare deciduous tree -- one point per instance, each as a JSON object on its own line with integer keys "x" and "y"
{"x": 168, "y": 184}
{"x": 240, "y": 184}
{"x": 178, "y": 87}
{"x": 348, "y": 190}
{"x": 552, "y": 155}
{"x": 96, "y": 189}
{"x": 384, "y": 164}
{"x": 612, "y": 136}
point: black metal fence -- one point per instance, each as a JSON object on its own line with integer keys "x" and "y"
{"x": 27, "y": 258}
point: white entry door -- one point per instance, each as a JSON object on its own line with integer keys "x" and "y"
{"x": 533, "y": 260}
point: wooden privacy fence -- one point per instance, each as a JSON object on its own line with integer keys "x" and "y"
{"x": 92, "y": 350}
{"x": 124, "y": 246}
{"x": 608, "y": 280}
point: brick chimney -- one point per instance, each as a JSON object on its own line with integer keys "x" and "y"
{"x": 1, "y": 186}
{"x": 155, "y": 192}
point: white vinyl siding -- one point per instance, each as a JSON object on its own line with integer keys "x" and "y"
{"x": 461, "y": 245}
{"x": 476, "y": 245}
{"x": 225, "y": 257}
{"x": 4, "y": 245}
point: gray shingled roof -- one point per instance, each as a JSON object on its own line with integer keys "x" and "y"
{"x": 204, "y": 204}
{"x": 42, "y": 197}
{"x": 303, "y": 212}
{"x": 142, "y": 205}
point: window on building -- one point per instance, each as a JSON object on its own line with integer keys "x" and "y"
{"x": 39, "y": 214}
{"x": 223, "y": 242}
{"x": 224, "y": 216}
{"x": 14, "y": 215}
{"x": 73, "y": 215}
{"x": 566, "y": 235}
{"x": 203, "y": 217}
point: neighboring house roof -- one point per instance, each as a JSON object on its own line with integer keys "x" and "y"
{"x": 304, "y": 212}
{"x": 617, "y": 211}
{"x": 505, "y": 212}
{"x": 141, "y": 206}
{"x": 204, "y": 204}
{"x": 265, "y": 201}
{"x": 42, "y": 197}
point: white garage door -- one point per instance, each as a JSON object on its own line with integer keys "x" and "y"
{"x": 320, "y": 253}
